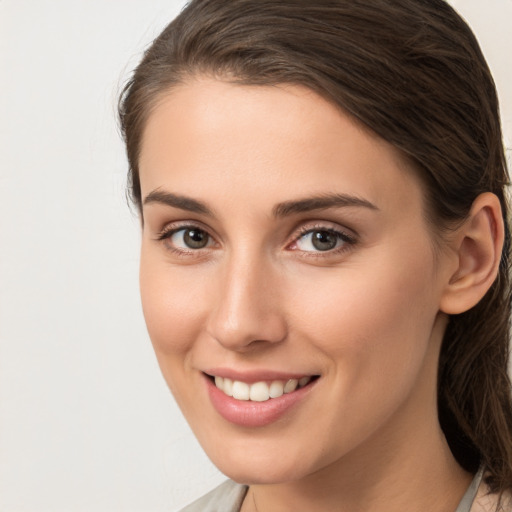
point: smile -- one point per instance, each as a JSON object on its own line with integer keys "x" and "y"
{"x": 259, "y": 398}
{"x": 259, "y": 391}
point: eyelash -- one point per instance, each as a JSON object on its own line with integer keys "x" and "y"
{"x": 169, "y": 231}
{"x": 348, "y": 240}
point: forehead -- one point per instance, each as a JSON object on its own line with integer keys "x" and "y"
{"x": 214, "y": 139}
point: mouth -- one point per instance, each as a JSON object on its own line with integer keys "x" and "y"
{"x": 260, "y": 391}
{"x": 256, "y": 399}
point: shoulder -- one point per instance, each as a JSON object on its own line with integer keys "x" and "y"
{"x": 227, "y": 497}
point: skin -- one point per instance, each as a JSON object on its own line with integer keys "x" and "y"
{"x": 367, "y": 317}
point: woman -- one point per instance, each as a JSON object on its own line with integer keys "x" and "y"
{"x": 324, "y": 265}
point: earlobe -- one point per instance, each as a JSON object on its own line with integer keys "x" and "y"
{"x": 479, "y": 243}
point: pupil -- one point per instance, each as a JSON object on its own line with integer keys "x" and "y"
{"x": 195, "y": 238}
{"x": 324, "y": 240}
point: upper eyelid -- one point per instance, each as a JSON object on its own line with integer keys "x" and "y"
{"x": 346, "y": 238}
{"x": 173, "y": 227}
{"x": 309, "y": 227}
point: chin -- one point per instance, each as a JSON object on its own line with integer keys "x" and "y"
{"x": 249, "y": 474}
{"x": 261, "y": 465}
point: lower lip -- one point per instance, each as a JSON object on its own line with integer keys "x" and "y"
{"x": 247, "y": 413}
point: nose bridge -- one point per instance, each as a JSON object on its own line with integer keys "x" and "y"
{"x": 247, "y": 307}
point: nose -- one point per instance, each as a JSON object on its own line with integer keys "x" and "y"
{"x": 247, "y": 312}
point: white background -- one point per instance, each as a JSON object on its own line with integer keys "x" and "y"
{"x": 86, "y": 422}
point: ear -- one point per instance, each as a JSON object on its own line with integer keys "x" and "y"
{"x": 478, "y": 247}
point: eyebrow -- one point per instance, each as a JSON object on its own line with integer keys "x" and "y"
{"x": 283, "y": 209}
{"x": 177, "y": 201}
{"x": 321, "y": 202}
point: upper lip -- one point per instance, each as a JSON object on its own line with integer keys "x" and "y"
{"x": 251, "y": 376}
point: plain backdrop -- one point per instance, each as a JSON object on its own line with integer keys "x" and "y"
{"x": 86, "y": 421}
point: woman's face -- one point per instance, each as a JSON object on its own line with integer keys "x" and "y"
{"x": 282, "y": 243}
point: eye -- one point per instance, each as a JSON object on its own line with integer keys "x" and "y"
{"x": 322, "y": 240}
{"x": 186, "y": 238}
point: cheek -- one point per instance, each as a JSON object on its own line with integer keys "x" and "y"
{"x": 374, "y": 326}
{"x": 170, "y": 305}
{"x": 372, "y": 320}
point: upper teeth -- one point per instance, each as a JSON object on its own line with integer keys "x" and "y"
{"x": 259, "y": 391}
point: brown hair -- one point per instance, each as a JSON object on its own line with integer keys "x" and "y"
{"x": 411, "y": 71}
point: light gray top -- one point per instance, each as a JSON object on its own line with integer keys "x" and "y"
{"x": 228, "y": 497}
{"x": 469, "y": 497}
